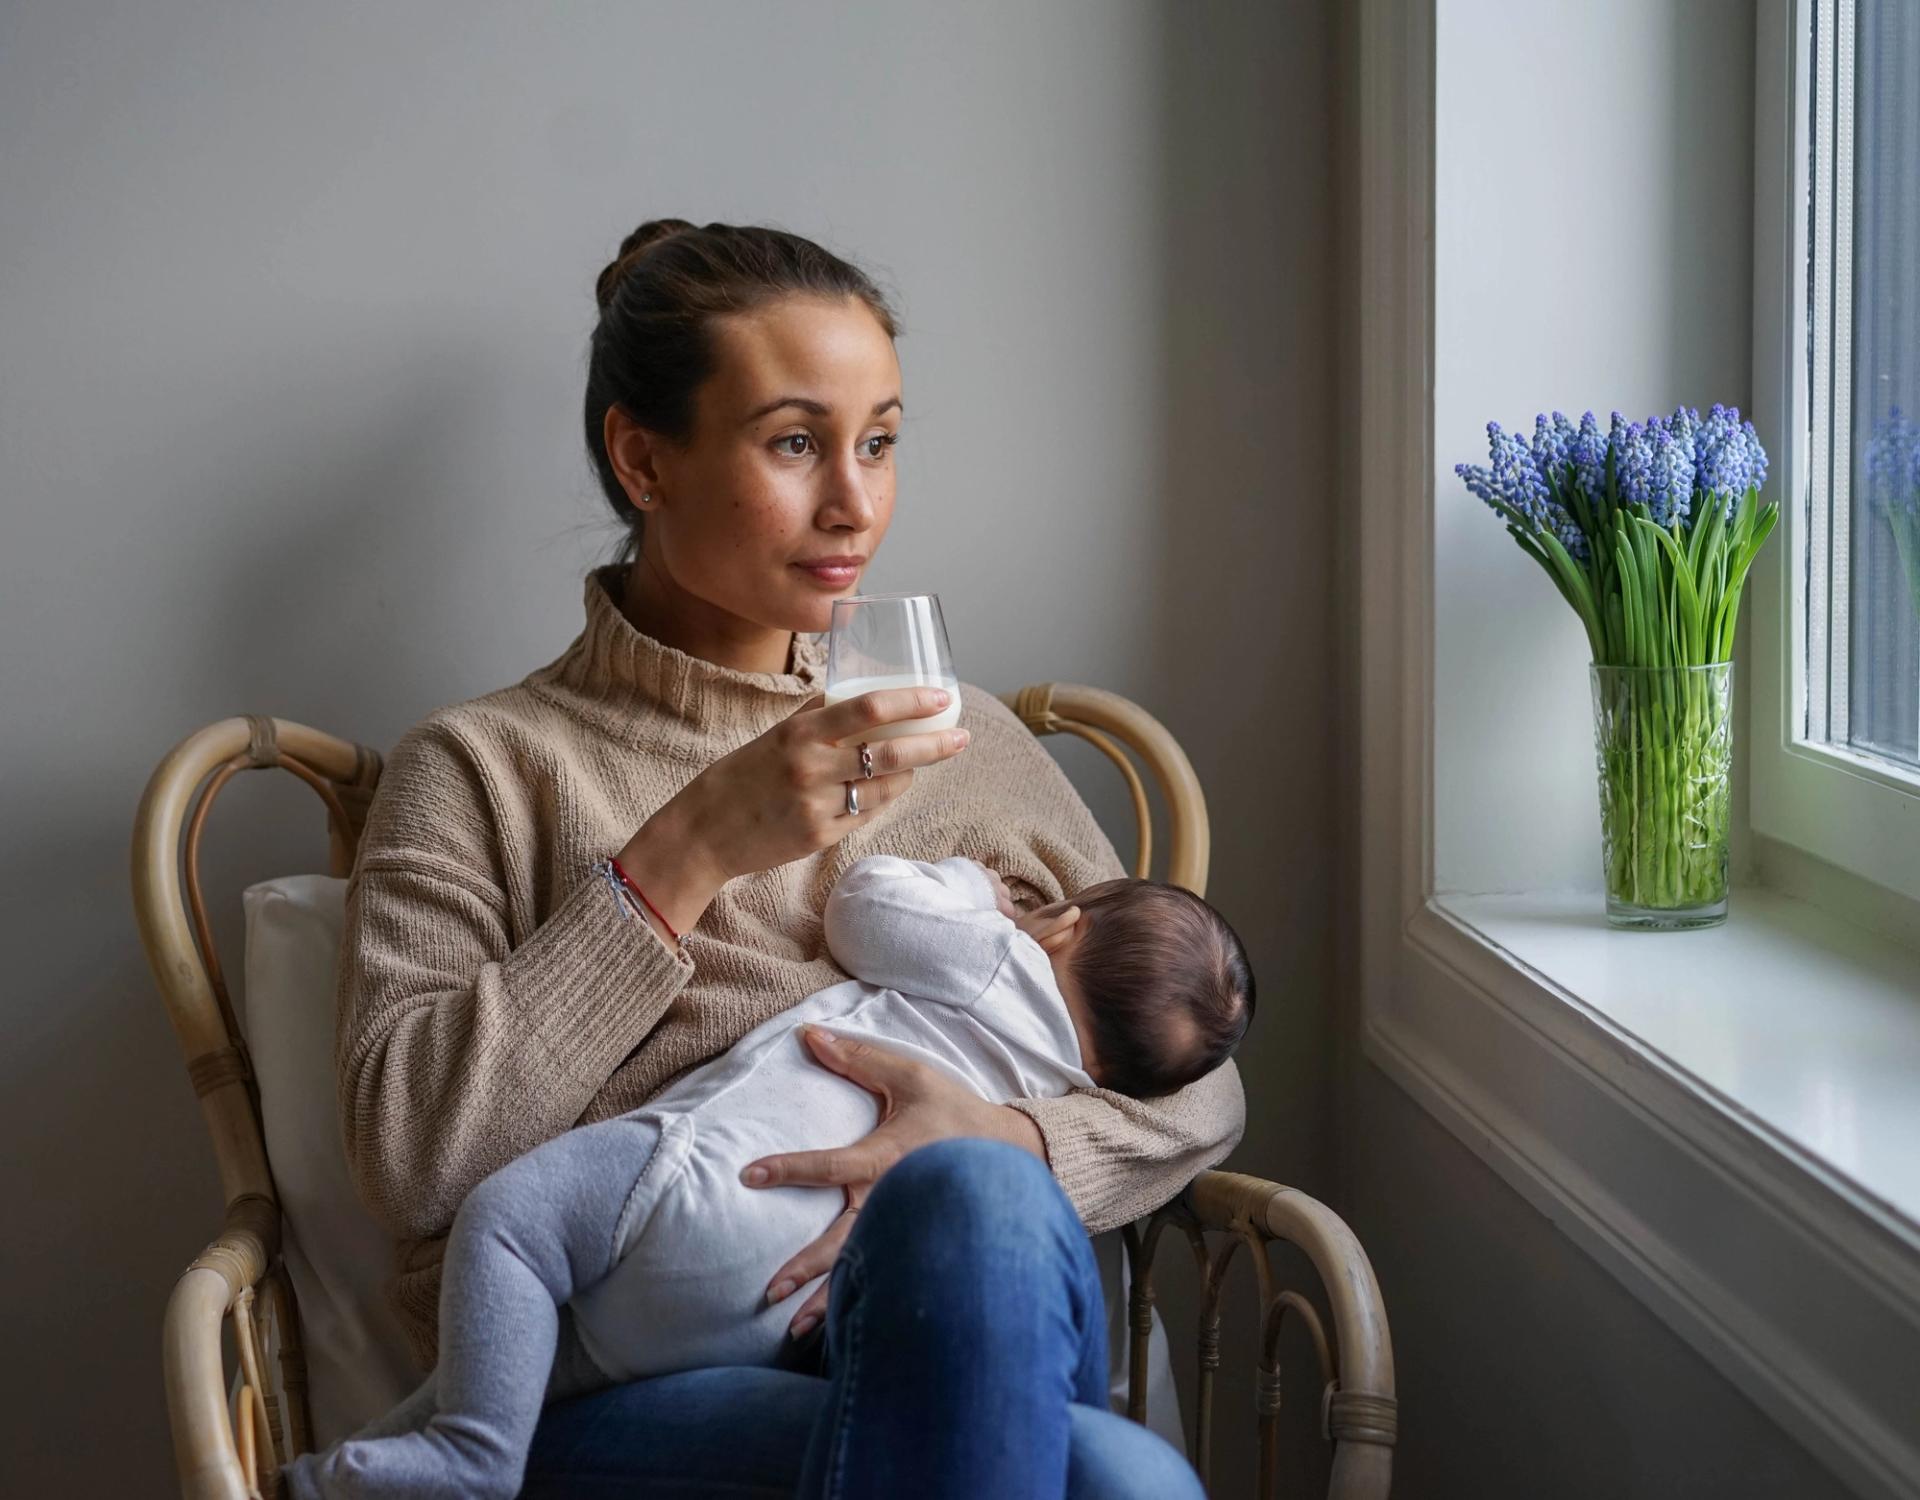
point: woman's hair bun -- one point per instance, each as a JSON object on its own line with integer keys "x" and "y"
{"x": 632, "y": 248}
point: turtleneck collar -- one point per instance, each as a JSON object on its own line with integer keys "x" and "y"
{"x": 653, "y": 696}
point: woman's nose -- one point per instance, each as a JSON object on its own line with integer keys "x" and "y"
{"x": 845, "y": 499}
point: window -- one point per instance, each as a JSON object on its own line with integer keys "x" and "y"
{"x": 1836, "y": 664}
{"x": 1863, "y": 574}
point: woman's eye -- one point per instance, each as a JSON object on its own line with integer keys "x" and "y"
{"x": 796, "y": 444}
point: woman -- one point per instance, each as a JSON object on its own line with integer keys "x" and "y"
{"x": 743, "y": 399}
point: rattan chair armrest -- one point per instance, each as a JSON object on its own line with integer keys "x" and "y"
{"x": 1361, "y": 1415}
{"x": 205, "y": 1452}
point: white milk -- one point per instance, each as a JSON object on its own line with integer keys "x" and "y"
{"x": 853, "y": 687}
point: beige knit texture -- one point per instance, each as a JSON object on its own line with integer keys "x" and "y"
{"x": 491, "y": 996}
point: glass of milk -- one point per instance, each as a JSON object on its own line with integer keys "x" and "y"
{"x": 889, "y": 641}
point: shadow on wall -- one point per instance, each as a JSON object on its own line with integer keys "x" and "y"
{"x": 1243, "y": 666}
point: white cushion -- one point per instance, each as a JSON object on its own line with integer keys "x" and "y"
{"x": 339, "y": 1256}
{"x": 358, "y": 1367}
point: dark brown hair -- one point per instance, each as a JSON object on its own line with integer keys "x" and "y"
{"x": 653, "y": 346}
{"x": 1168, "y": 987}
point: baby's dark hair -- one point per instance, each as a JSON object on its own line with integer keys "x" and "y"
{"x": 1168, "y": 987}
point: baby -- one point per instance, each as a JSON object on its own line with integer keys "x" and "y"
{"x": 639, "y": 1227}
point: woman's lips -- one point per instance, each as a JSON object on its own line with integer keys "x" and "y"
{"x": 834, "y": 577}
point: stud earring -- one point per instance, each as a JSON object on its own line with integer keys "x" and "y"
{"x": 646, "y": 497}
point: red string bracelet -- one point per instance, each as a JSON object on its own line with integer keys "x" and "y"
{"x": 627, "y": 881}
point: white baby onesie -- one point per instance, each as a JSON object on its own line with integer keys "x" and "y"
{"x": 939, "y": 975}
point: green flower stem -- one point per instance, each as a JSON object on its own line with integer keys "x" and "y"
{"x": 1662, "y": 737}
{"x": 1905, "y": 523}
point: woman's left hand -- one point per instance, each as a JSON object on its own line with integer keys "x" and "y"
{"x": 918, "y": 1104}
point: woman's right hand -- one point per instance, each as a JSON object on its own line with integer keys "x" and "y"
{"x": 782, "y": 796}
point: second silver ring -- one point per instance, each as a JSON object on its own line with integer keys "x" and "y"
{"x": 866, "y": 770}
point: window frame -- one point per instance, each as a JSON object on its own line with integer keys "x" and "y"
{"x": 1855, "y": 811}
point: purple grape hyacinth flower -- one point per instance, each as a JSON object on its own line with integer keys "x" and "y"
{"x": 1517, "y": 480}
{"x": 1893, "y": 465}
{"x": 1679, "y": 467}
{"x": 1654, "y": 468}
{"x": 1588, "y": 452}
{"x": 1728, "y": 458}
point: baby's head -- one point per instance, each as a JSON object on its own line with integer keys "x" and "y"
{"x": 1158, "y": 984}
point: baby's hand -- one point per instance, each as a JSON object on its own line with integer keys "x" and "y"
{"x": 1050, "y": 926}
{"x": 1002, "y": 897}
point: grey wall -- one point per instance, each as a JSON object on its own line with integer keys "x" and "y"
{"x": 292, "y": 313}
{"x": 1525, "y": 1370}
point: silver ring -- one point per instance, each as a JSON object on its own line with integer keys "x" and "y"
{"x": 853, "y": 799}
{"x": 866, "y": 761}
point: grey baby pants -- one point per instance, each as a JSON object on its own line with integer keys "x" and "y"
{"x": 525, "y": 1239}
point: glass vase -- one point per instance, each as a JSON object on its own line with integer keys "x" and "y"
{"x": 1663, "y": 739}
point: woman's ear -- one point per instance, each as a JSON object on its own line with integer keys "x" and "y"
{"x": 631, "y": 451}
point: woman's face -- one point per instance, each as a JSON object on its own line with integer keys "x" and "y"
{"x": 790, "y": 461}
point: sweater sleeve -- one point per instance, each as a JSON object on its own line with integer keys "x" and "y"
{"x": 1116, "y": 1157}
{"x": 457, "y": 1047}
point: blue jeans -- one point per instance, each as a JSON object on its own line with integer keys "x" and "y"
{"x": 965, "y": 1357}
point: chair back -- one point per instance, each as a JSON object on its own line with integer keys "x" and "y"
{"x": 240, "y": 1276}
{"x": 1102, "y": 719}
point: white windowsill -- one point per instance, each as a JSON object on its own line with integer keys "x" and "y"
{"x": 1802, "y": 1026}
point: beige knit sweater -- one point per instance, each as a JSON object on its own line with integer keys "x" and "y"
{"x": 491, "y": 997}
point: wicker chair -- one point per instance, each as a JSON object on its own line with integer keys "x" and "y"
{"x": 227, "y": 1452}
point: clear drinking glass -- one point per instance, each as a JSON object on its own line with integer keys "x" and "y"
{"x": 888, "y": 641}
